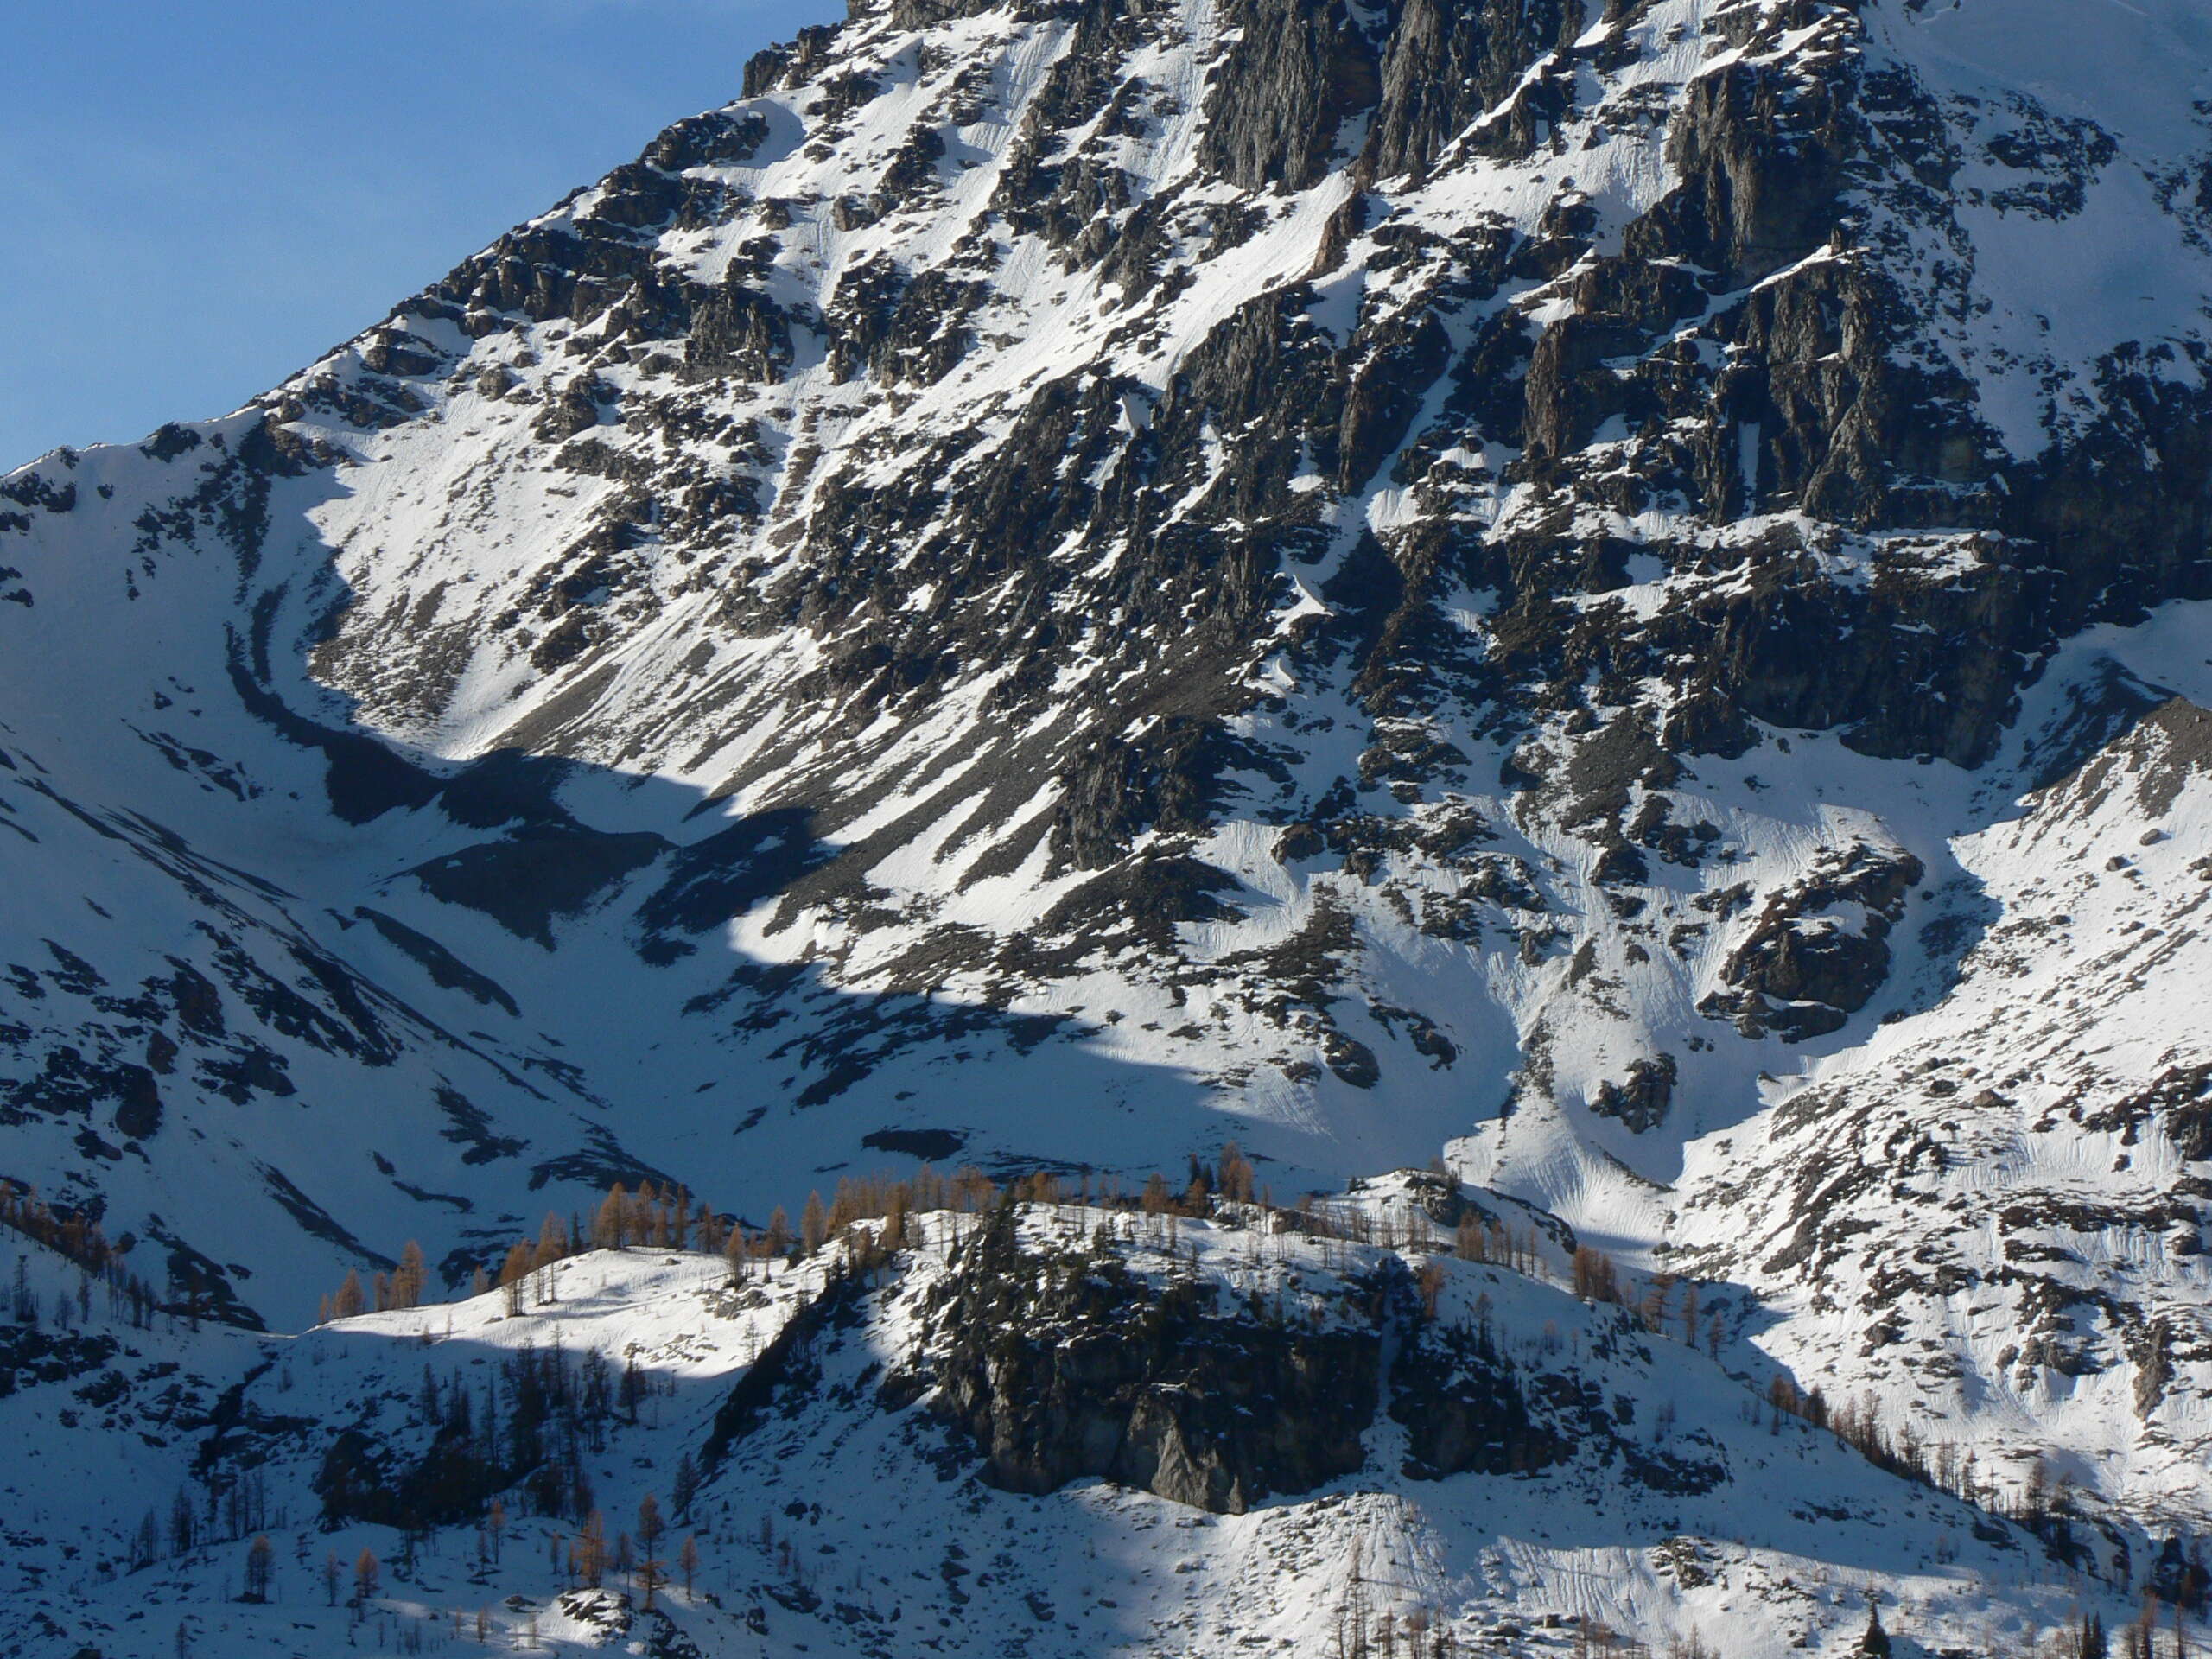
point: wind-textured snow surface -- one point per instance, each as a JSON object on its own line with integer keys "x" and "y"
{"x": 1613, "y": 593}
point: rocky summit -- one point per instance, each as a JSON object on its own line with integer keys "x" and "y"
{"x": 1584, "y": 625}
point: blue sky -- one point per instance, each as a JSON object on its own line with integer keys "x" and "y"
{"x": 197, "y": 199}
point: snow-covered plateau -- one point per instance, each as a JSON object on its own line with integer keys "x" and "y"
{"x": 1594, "y": 615}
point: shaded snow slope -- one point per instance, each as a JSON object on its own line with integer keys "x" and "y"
{"x": 840, "y": 1514}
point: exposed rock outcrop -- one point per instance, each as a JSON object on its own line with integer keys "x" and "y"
{"x": 1063, "y": 1367}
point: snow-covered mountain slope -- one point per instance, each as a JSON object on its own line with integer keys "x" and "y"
{"x": 1588, "y": 588}
{"x": 1478, "y": 1456}
{"x": 1990, "y": 1213}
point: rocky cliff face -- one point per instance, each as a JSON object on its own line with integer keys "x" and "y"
{"x": 1068, "y": 1367}
{"x": 1061, "y": 1363}
{"x": 1060, "y": 583}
